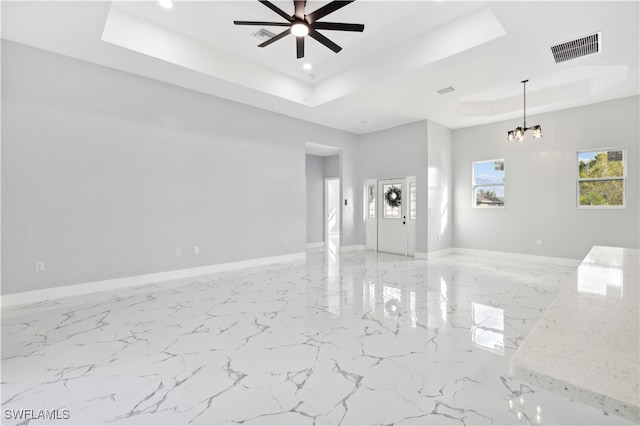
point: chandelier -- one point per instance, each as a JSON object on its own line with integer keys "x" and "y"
{"x": 518, "y": 133}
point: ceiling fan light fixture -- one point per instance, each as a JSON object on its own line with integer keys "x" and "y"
{"x": 299, "y": 29}
{"x": 301, "y": 24}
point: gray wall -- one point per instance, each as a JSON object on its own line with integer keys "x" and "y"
{"x": 398, "y": 152}
{"x": 540, "y": 183}
{"x": 317, "y": 169}
{"x": 331, "y": 166}
{"x": 105, "y": 174}
{"x": 440, "y": 207}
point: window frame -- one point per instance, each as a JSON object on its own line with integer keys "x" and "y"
{"x": 371, "y": 200}
{"x": 474, "y": 186}
{"x": 622, "y": 178}
{"x": 412, "y": 214}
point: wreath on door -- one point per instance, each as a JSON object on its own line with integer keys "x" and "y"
{"x": 393, "y": 197}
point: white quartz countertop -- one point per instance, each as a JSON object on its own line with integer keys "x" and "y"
{"x": 587, "y": 343}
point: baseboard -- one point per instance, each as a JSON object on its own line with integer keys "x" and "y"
{"x": 116, "y": 283}
{"x": 510, "y": 256}
{"x": 312, "y": 246}
{"x": 355, "y": 247}
{"x": 434, "y": 254}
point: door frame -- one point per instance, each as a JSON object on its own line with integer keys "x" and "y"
{"x": 372, "y": 224}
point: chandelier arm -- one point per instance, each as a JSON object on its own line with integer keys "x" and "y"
{"x": 525, "y": 105}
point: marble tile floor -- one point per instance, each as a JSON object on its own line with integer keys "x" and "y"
{"x": 354, "y": 338}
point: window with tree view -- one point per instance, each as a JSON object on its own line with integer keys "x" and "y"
{"x": 601, "y": 178}
{"x": 488, "y": 183}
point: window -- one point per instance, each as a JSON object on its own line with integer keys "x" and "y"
{"x": 601, "y": 176}
{"x": 488, "y": 184}
{"x": 392, "y": 201}
{"x": 372, "y": 201}
{"x": 412, "y": 201}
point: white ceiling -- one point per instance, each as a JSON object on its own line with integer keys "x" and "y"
{"x": 386, "y": 76}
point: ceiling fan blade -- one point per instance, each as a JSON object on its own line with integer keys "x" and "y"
{"x": 277, "y": 10}
{"x": 322, "y": 39}
{"x": 326, "y": 9}
{"x": 300, "y": 47}
{"x": 338, "y": 26}
{"x": 276, "y": 38}
{"x": 299, "y": 8}
{"x": 272, "y": 24}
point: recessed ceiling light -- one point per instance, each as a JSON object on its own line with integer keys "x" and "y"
{"x": 307, "y": 66}
{"x": 167, "y": 4}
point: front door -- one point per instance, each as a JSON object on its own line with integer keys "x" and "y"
{"x": 392, "y": 216}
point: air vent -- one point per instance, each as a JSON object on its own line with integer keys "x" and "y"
{"x": 263, "y": 35}
{"x": 446, "y": 90}
{"x": 614, "y": 156}
{"x": 577, "y": 48}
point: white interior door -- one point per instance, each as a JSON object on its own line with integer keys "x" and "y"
{"x": 371, "y": 213}
{"x": 332, "y": 211}
{"x": 392, "y": 216}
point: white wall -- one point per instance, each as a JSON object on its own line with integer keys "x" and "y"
{"x": 398, "y": 152}
{"x": 105, "y": 174}
{"x": 540, "y": 188}
{"x": 440, "y": 207}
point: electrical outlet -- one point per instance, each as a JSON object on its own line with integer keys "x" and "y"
{"x": 39, "y": 266}
{"x": 196, "y": 249}
{"x": 178, "y": 252}
{"x": 539, "y": 241}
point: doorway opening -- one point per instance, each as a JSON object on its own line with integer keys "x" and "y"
{"x": 323, "y": 194}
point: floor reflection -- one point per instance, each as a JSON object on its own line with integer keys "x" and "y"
{"x": 487, "y": 330}
{"x": 333, "y": 274}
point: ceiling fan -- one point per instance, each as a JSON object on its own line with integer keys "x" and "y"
{"x": 299, "y": 24}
